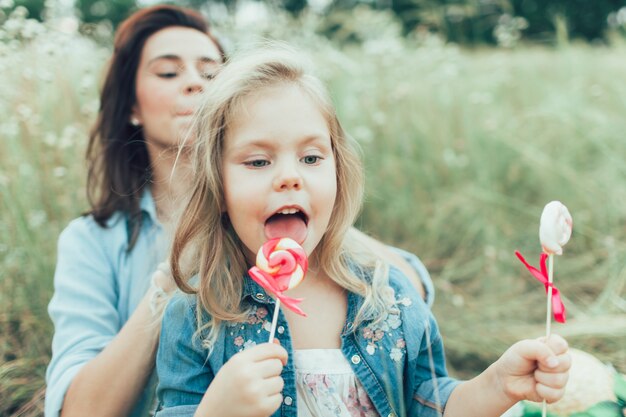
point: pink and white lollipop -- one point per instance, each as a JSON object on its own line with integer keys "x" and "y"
{"x": 281, "y": 264}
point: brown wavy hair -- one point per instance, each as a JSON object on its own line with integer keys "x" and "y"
{"x": 118, "y": 163}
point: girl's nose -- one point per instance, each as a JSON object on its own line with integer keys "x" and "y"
{"x": 286, "y": 181}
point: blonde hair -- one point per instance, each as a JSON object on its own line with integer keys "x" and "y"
{"x": 206, "y": 245}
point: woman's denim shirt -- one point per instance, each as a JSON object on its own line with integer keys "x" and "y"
{"x": 400, "y": 361}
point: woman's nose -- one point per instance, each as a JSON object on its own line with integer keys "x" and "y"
{"x": 193, "y": 88}
{"x": 194, "y": 82}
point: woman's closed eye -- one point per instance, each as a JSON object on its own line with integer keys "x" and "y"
{"x": 168, "y": 71}
{"x": 208, "y": 70}
{"x": 167, "y": 74}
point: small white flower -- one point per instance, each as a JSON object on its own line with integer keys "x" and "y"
{"x": 555, "y": 228}
{"x": 249, "y": 344}
{"x": 50, "y": 139}
{"x": 458, "y": 300}
{"x": 395, "y": 354}
{"x": 6, "y": 4}
{"x": 36, "y": 218}
{"x": 267, "y": 325}
{"x": 31, "y": 29}
{"x": 24, "y": 112}
{"x": 12, "y": 27}
{"x": 59, "y": 172}
{"x": 393, "y": 321}
{"x": 371, "y": 349}
{"x": 10, "y": 128}
{"x": 406, "y": 301}
{"x": 384, "y": 326}
{"x": 20, "y": 12}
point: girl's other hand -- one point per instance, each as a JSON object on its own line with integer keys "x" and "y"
{"x": 162, "y": 286}
{"x": 534, "y": 369}
{"x": 249, "y": 384}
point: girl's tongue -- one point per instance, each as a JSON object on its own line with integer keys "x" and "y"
{"x": 286, "y": 225}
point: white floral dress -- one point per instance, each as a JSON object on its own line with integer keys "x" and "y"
{"x": 327, "y": 386}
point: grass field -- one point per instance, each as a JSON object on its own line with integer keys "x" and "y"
{"x": 462, "y": 148}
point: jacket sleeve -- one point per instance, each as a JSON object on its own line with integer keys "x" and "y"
{"x": 83, "y": 308}
{"x": 432, "y": 384}
{"x": 182, "y": 363}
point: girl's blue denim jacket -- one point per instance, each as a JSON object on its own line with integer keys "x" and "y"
{"x": 400, "y": 362}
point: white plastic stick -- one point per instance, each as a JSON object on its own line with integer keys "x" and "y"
{"x": 544, "y": 407}
{"x": 274, "y": 320}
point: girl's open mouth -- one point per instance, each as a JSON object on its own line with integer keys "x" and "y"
{"x": 288, "y": 222}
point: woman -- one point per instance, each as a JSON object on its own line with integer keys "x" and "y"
{"x": 103, "y": 308}
{"x": 105, "y": 340}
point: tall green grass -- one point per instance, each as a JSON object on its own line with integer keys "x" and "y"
{"x": 462, "y": 150}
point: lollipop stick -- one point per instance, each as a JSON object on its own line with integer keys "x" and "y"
{"x": 274, "y": 320}
{"x": 549, "y": 304}
{"x": 548, "y": 316}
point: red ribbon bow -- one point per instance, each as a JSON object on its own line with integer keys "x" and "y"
{"x": 557, "y": 305}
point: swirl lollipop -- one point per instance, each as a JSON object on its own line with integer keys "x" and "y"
{"x": 280, "y": 265}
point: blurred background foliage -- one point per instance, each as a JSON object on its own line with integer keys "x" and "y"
{"x": 471, "y": 115}
{"x": 467, "y": 22}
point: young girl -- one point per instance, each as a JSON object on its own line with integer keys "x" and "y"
{"x": 104, "y": 305}
{"x": 272, "y": 160}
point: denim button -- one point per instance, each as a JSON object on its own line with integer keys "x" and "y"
{"x": 392, "y": 414}
{"x": 288, "y": 401}
{"x": 260, "y": 296}
{"x": 356, "y": 359}
{"x": 281, "y": 329}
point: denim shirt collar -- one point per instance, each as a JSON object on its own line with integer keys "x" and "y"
{"x": 147, "y": 204}
{"x": 148, "y": 211}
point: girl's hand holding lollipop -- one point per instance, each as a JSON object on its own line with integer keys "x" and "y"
{"x": 251, "y": 379}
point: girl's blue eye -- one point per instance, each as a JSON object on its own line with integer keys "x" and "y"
{"x": 257, "y": 163}
{"x": 311, "y": 159}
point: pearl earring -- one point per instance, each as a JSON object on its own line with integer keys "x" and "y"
{"x": 134, "y": 121}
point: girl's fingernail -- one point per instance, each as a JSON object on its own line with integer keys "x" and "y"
{"x": 552, "y": 362}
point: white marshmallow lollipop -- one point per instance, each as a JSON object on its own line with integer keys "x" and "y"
{"x": 555, "y": 228}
